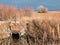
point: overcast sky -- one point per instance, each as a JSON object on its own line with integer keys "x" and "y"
{"x": 50, "y": 4}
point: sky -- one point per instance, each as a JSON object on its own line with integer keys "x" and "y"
{"x": 50, "y": 4}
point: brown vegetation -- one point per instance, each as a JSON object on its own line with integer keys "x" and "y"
{"x": 40, "y": 27}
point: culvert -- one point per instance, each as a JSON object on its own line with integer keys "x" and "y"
{"x": 15, "y": 36}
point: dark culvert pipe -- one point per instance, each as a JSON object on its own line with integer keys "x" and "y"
{"x": 15, "y": 36}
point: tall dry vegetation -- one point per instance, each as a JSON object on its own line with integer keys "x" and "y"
{"x": 38, "y": 31}
{"x": 7, "y": 12}
{"x": 10, "y": 12}
{"x": 27, "y": 11}
{"x": 41, "y": 32}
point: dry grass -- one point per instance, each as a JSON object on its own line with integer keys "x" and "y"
{"x": 41, "y": 28}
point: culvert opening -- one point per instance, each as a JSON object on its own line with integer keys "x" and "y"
{"x": 15, "y": 36}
